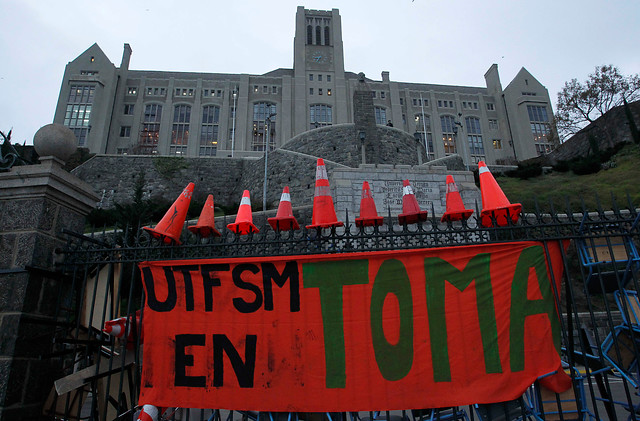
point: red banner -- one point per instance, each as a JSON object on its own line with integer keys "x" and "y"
{"x": 356, "y": 331}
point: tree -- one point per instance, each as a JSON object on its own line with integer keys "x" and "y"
{"x": 580, "y": 104}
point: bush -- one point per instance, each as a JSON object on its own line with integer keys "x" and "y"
{"x": 561, "y": 166}
{"x": 525, "y": 171}
{"x": 587, "y": 165}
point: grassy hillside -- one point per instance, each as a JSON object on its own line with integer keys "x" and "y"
{"x": 559, "y": 187}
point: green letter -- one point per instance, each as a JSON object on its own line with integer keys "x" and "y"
{"x": 394, "y": 361}
{"x": 329, "y": 278}
{"x": 438, "y": 271}
{"x": 521, "y": 307}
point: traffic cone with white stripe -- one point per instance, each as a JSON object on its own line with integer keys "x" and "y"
{"x": 495, "y": 205}
{"x": 368, "y": 212}
{"x": 324, "y": 213}
{"x": 455, "y": 208}
{"x": 206, "y": 225}
{"x": 244, "y": 218}
{"x": 170, "y": 226}
{"x": 411, "y": 212}
{"x": 284, "y": 219}
{"x": 119, "y": 328}
{"x": 148, "y": 413}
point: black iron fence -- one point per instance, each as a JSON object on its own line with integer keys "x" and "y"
{"x": 600, "y": 323}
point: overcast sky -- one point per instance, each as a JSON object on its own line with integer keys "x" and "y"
{"x": 448, "y": 42}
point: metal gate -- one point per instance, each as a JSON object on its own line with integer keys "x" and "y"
{"x": 600, "y": 329}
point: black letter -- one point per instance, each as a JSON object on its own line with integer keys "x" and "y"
{"x": 186, "y": 360}
{"x": 244, "y": 371}
{"x": 241, "y": 305}
{"x": 290, "y": 271}
{"x": 188, "y": 285}
{"x": 153, "y": 302}
{"x": 208, "y": 283}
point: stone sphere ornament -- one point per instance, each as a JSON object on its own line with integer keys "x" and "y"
{"x": 55, "y": 140}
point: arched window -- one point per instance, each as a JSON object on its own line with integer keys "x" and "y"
{"x": 262, "y": 111}
{"x": 318, "y": 35}
{"x": 209, "y": 130}
{"x": 381, "y": 115}
{"x": 309, "y": 35}
{"x": 449, "y": 131}
{"x": 474, "y": 138}
{"x": 320, "y": 115}
{"x": 326, "y": 36}
{"x": 423, "y": 129}
{"x": 148, "y": 143}
{"x": 180, "y": 129}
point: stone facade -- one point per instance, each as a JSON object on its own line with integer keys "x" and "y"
{"x": 137, "y": 111}
{"x": 37, "y": 202}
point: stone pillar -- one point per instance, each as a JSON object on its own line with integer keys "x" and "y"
{"x": 364, "y": 120}
{"x": 37, "y": 202}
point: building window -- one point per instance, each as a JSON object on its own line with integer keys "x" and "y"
{"x": 497, "y": 144}
{"x": 381, "y": 115}
{"x": 382, "y": 94}
{"x": 265, "y": 89}
{"x": 439, "y": 103}
{"x": 474, "y": 138}
{"x": 128, "y": 109}
{"x": 274, "y": 89}
{"x": 326, "y": 35}
{"x": 423, "y": 128}
{"x": 92, "y": 59}
{"x": 255, "y": 89}
{"x": 88, "y": 73}
{"x": 209, "y": 130}
{"x": 328, "y": 92}
{"x": 490, "y": 106}
{"x": 493, "y": 124}
{"x": 122, "y": 151}
{"x": 319, "y": 78}
{"x": 539, "y": 120}
{"x": 148, "y": 143}
{"x": 310, "y": 91}
{"x": 180, "y": 129}
{"x": 218, "y": 93}
{"x": 328, "y": 78}
{"x": 178, "y": 149}
{"x": 125, "y": 131}
{"x": 320, "y": 115}
{"x": 309, "y": 35}
{"x": 319, "y": 91}
{"x": 132, "y": 90}
{"x": 311, "y": 77}
{"x": 401, "y": 101}
{"x": 318, "y": 36}
{"x": 448, "y": 133}
{"x": 78, "y": 113}
{"x": 373, "y": 94}
{"x": 261, "y": 111}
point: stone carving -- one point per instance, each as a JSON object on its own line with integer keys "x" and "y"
{"x": 9, "y": 156}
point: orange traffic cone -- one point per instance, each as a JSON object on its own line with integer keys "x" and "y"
{"x": 324, "y": 214}
{"x": 368, "y": 213}
{"x": 284, "y": 219}
{"x": 495, "y": 204}
{"x": 206, "y": 225}
{"x": 244, "y": 218}
{"x": 455, "y": 207}
{"x": 411, "y": 212}
{"x": 170, "y": 226}
{"x": 116, "y": 327}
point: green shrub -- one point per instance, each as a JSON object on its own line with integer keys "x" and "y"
{"x": 525, "y": 171}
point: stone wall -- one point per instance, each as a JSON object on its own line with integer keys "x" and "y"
{"x": 608, "y": 130}
{"x": 341, "y": 143}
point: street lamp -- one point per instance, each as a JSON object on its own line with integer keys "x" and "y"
{"x": 233, "y": 123}
{"x": 267, "y": 124}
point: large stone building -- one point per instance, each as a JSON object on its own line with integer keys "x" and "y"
{"x": 116, "y": 110}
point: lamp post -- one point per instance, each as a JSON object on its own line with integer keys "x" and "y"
{"x": 424, "y": 128}
{"x": 233, "y": 122}
{"x": 362, "y": 135}
{"x": 267, "y": 124}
